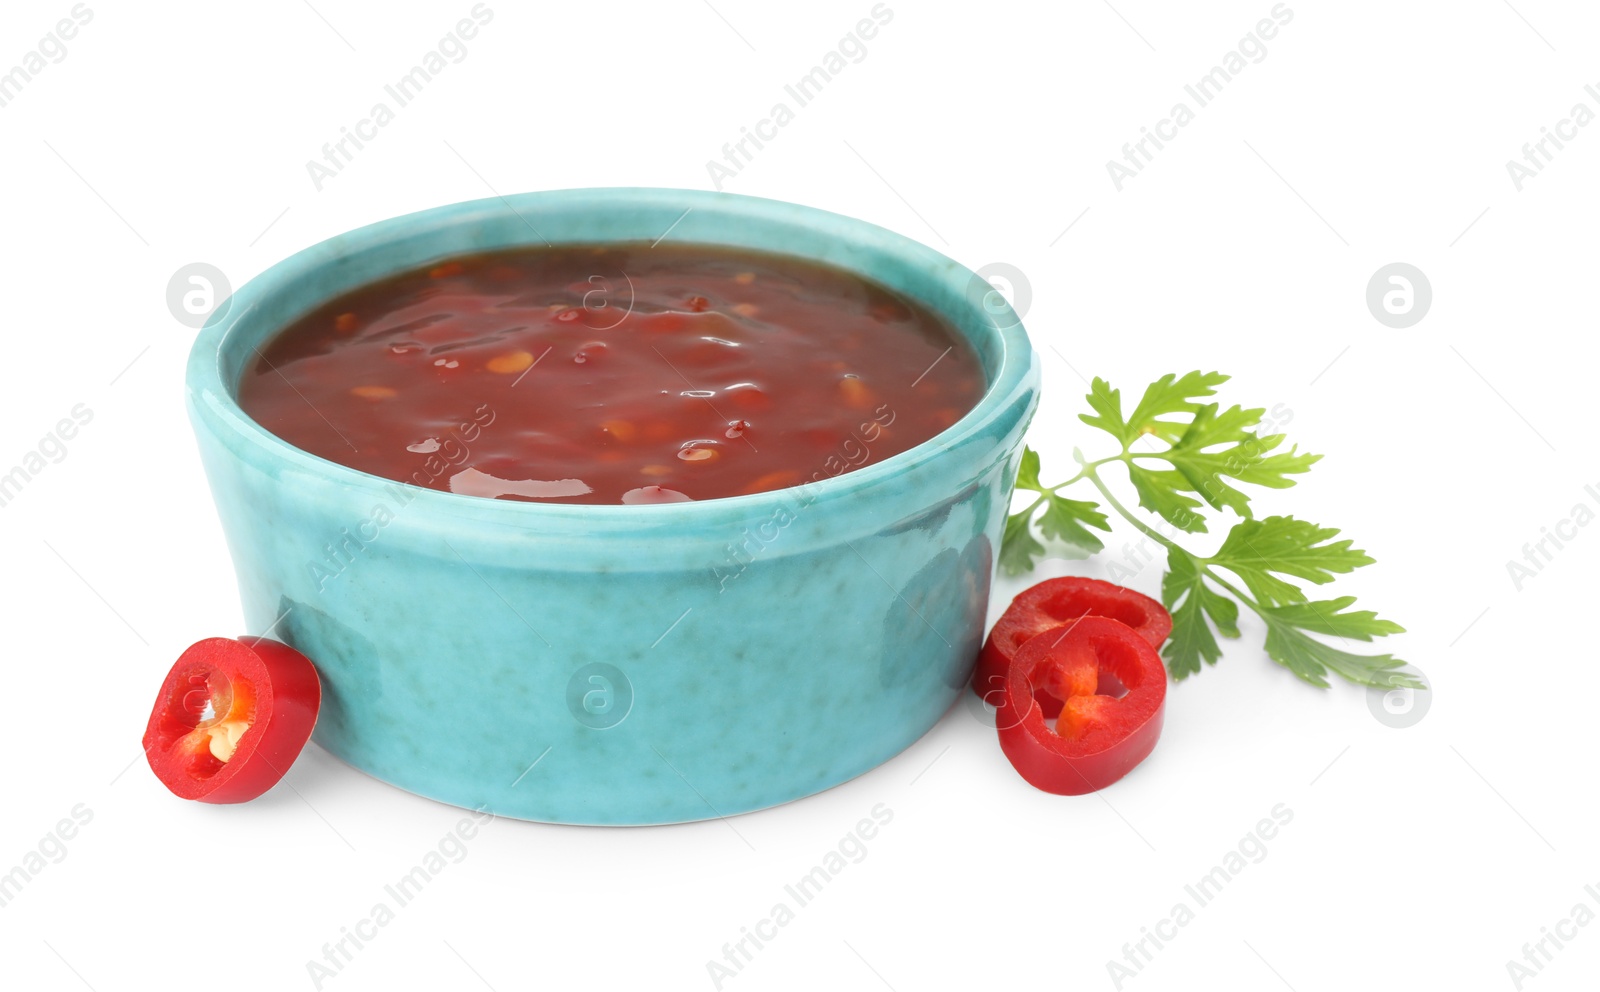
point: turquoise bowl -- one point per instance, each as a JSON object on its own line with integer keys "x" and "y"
{"x": 620, "y": 664}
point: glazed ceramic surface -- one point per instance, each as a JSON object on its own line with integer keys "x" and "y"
{"x": 620, "y": 664}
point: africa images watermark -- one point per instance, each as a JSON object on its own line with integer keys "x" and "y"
{"x": 852, "y": 49}
{"x": 441, "y": 455}
{"x": 854, "y": 452}
{"x": 1004, "y": 294}
{"x": 51, "y": 450}
{"x": 1552, "y": 940}
{"x": 1252, "y": 47}
{"x": 851, "y": 850}
{"x": 452, "y": 48}
{"x": 51, "y": 50}
{"x": 1251, "y": 850}
{"x": 1538, "y": 554}
{"x": 51, "y": 850}
{"x": 450, "y": 850}
{"x": 1538, "y": 154}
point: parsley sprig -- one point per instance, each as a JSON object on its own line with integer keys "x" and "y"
{"x": 1195, "y": 454}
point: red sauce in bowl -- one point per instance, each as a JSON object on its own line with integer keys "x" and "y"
{"x": 627, "y": 374}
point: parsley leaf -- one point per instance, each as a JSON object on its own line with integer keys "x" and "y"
{"x": 1171, "y": 394}
{"x": 1271, "y": 470}
{"x": 1018, "y": 547}
{"x": 1219, "y": 446}
{"x": 1209, "y": 451}
{"x": 1066, "y": 519}
{"x": 1329, "y": 617}
{"x": 1191, "y": 602}
{"x": 1258, "y": 551}
{"x": 1213, "y": 446}
{"x": 1289, "y": 643}
{"x": 1311, "y": 660}
{"x": 1167, "y": 395}
{"x": 1063, "y": 520}
{"x": 1161, "y": 491}
{"x": 1107, "y": 406}
{"x": 1028, "y": 470}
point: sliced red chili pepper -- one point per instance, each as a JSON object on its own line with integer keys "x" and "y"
{"x": 231, "y": 717}
{"x": 1099, "y": 737}
{"x": 1058, "y": 601}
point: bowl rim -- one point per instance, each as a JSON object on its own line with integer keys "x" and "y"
{"x": 214, "y": 407}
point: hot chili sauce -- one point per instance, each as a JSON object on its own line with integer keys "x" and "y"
{"x": 628, "y": 374}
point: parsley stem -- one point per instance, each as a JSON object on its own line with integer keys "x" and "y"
{"x": 1152, "y": 533}
{"x": 1205, "y": 566}
{"x": 1086, "y": 471}
{"x": 1233, "y": 590}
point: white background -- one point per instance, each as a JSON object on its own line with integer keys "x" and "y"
{"x": 1371, "y": 133}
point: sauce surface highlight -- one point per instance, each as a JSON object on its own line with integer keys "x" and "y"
{"x": 627, "y": 374}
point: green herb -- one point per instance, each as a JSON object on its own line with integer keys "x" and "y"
{"x": 1194, "y": 455}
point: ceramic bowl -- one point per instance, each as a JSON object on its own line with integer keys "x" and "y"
{"x": 620, "y": 664}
